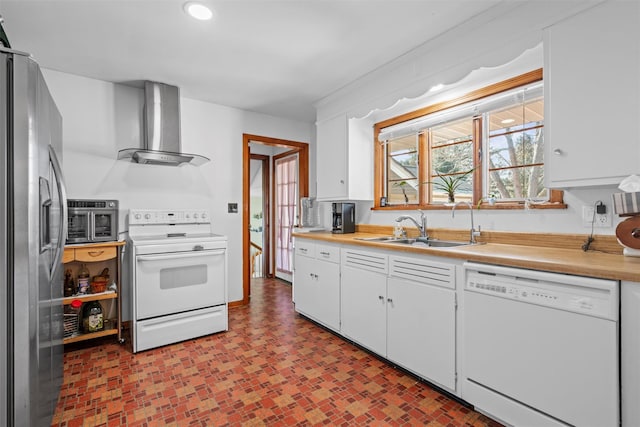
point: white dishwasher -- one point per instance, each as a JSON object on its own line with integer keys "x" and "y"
{"x": 541, "y": 348}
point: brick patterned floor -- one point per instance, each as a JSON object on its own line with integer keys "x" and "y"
{"x": 272, "y": 368}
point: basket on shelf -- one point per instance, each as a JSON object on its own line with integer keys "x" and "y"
{"x": 98, "y": 287}
{"x": 99, "y": 283}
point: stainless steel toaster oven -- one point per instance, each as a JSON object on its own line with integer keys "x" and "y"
{"x": 92, "y": 221}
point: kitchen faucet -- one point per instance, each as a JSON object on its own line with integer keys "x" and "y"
{"x": 473, "y": 232}
{"x": 422, "y": 225}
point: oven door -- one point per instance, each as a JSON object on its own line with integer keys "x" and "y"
{"x": 78, "y": 226}
{"x": 105, "y": 225}
{"x": 171, "y": 283}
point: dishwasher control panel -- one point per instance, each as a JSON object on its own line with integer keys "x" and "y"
{"x": 595, "y": 297}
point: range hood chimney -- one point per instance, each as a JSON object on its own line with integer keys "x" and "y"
{"x": 161, "y": 144}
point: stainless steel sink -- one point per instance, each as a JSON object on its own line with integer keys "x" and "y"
{"x": 427, "y": 243}
{"x": 377, "y": 239}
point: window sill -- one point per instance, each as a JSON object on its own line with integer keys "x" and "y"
{"x": 483, "y": 206}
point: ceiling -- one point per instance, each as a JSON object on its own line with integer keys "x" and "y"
{"x": 276, "y": 57}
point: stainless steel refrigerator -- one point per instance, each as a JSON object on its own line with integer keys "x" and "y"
{"x": 32, "y": 233}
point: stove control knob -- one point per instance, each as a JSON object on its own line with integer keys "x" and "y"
{"x": 204, "y": 215}
{"x": 147, "y": 216}
{"x": 138, "y": 216}
{"x": 195, "y": 216}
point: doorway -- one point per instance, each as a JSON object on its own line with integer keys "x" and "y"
{"x": 301, "y": 149}
{"x": 259, "y": 223}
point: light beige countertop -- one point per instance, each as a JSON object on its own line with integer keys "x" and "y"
{"x": 592, "y": 263}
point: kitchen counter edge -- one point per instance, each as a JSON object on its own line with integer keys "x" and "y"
{"x": 556, "y": 260}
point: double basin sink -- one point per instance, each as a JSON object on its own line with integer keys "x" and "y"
{"x": 420, "y": 241}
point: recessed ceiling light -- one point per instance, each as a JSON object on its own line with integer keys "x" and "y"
{"x": 507, "y": 121}
{"x": 436, "y": 87}
{"x": 198, "y": 10}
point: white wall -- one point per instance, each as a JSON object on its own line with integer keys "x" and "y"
{"x": 541, "y": 221}
{"x": 100, "y": 118}
{"x": 468, "y": 57}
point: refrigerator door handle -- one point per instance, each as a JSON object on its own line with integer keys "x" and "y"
{"x": 45, "y": 215}
{"x": 62, "y": 193}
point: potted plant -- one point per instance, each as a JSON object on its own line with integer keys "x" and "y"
{"x": 402, "y": 184}
{"x": 449, "y": 184}
{"x": 490, "y": 200}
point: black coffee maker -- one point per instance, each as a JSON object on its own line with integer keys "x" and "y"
{"x": 343, "y": 217}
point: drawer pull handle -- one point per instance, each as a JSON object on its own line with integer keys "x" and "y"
{"x": 95, "y": 253}
{"x": 325, "y": 253}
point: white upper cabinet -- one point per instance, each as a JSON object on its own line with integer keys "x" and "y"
{"x": 592, "y": 97}
{"x": 344, "y": 160}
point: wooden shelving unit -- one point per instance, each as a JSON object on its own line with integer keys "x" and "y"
{"x": 91, "y": 297}
{"x": 97, "y": 256}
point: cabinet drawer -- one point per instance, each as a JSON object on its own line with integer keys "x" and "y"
{"x": 328, "y": 253}
{"x": 305, "y": 248}
{"x": 95, "y": 254}
{"x": 68, "y": 255}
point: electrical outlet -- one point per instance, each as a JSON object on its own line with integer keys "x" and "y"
{"x": 599, "y": 221}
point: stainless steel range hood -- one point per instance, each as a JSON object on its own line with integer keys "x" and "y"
{"x": 161, "y": 144}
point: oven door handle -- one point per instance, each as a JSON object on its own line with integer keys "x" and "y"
{"x": 180, "y": 255}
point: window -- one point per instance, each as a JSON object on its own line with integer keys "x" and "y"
{"x": 515, "y": 146}
{"x": 451, "y": 151}
{"x": 402, "y": 170}
{"x": 286, "y": 182}
{"x": 488, "y": 143}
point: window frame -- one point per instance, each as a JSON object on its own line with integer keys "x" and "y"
{"x": 555, "y": 200}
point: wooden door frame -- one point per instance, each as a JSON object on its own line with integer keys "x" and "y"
{"x": 303, "y": 191}
{"x": 266, "y": 208}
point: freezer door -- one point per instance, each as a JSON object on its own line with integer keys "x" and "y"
{"x": 36, "y": 209}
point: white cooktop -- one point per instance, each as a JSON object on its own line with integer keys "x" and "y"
{"x": 170, "y": 226}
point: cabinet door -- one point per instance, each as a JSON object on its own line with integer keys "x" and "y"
{"x": 317, "y": 290}
{"x": 421, "y": 330}
{"x": 326, "y": 305}
{"x": 303, "y": 282}
{"x": 363, "y": 311}
{"x": 331, "y": 157}
{"x": 592, "y": 96}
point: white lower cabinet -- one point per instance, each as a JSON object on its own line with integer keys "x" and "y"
{"x": 316, "y": 282}
{"x": 403, "y": 309}
{"x": 364, "y": 295}
{"x": 421, "y": 318}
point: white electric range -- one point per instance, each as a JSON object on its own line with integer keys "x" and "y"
{"x": 178, "y": 277}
